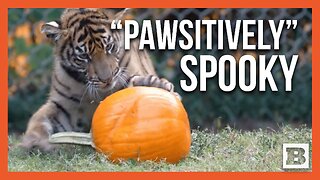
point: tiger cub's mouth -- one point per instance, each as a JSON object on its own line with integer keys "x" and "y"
{"x": 120, "y": 77}
{"x": 96, "y": 88}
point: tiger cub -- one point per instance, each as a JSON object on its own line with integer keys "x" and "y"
{"x": 90, "y": 64}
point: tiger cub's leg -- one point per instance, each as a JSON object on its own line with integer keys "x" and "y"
{"x": 41, "y": 125}
{"x": 153, "y": 81}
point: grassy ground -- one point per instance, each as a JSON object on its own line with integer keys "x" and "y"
{"x": 228, "y": 150}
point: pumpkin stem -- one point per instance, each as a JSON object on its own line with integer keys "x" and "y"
{"x": 71, "y": 138}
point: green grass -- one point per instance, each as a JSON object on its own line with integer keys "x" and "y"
{"x": 228, "y": 150}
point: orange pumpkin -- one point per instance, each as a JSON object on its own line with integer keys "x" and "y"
{"x": 142, "y": 123}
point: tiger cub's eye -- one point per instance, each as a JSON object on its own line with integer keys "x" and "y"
{"x": 109, "y": 47}
{"x": 83, "y": 56}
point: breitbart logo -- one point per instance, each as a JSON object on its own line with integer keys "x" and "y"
{"x": 295, "y": 156}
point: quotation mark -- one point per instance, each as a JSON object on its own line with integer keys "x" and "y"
{"x": 116, "y": 24}
{"x": 291, "y": 23}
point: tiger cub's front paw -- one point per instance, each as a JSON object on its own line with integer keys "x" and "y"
{"x": 32, "y": 142}
{"x": 153, "y": 81}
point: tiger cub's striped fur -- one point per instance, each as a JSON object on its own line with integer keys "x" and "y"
{"x": 90, "y": 64}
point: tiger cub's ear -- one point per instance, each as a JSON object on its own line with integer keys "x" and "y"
{"x": 51, "y": 30}
{"x": 121, "y": 15}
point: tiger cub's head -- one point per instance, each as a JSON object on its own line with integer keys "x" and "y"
{"x": 87, "y": 48}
